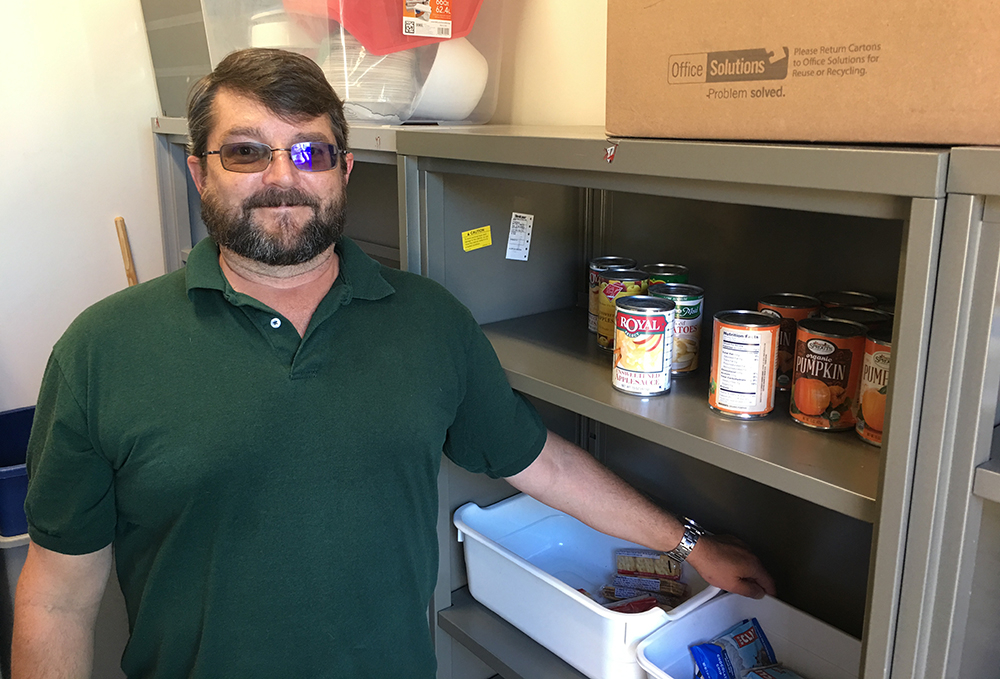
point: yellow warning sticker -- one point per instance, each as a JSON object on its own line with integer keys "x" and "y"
{"x": 477, "y": 238}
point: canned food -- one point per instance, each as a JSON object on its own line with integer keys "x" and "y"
{"x": 690, "y": 300}
{"x": 597, "y": 265}
{"x": 791, "y": 308}
{"x": 744, "y": 349}
{"x": 872, "y": 319}
{"x": 846, "y": 298}
{"x": 644, "y": 328}
{"x": 666, "y": 273}
{"x": 615, "y": 283}
{"x": 874, "y": 385}
{"x": 828, "y": 359}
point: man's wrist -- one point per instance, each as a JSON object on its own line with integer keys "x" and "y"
{"x": 689, "y": 539}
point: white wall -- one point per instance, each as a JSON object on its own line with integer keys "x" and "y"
{"x": 554, "y": 63}
{"x": 76, "y": 96}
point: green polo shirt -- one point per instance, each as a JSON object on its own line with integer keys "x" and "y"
{"x": 272, "y": 499}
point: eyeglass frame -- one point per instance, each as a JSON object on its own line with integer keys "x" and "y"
{"x": 336, "y": 154}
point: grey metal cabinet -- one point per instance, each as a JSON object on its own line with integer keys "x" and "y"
{"x": 834, "y": 518}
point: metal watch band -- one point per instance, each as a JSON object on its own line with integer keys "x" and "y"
{"x": 692, "y": 531}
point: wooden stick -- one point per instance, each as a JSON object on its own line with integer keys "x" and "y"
{"x": 126, "y": 251}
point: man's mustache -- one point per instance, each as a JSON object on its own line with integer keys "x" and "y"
{"x": 272, "y": 197}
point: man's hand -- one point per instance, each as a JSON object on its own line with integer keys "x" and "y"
{"x": 727, "y": 563}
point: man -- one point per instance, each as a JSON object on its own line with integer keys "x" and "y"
{"x": 259, "y": 435}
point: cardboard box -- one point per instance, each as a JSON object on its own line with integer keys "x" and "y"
{"x": 915, "y": 71}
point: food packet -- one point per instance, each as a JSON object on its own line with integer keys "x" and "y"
{"x": 772, "y": 673}
{"x": 646, "y": 563}
{"x": 733, "y": 653}
{"x": 674, "y": 588}
{"x": 636, "y": 604}
{"x": 621, "y": 593}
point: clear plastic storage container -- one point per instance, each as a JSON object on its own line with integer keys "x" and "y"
{"x": 373, "y": 54}
{"x": 526, "y": 562}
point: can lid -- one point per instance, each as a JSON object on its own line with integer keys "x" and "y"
{"x": 675, "y": 289}
{"x": 624, "y": 275}
{"x": 790, "y": 300}
{"x": 846, "y": 298}
{"x": 644, "y": 303}
{"x": 748, "y": 318}
{"x": 612, "y": 262}
{"x": 872, "y": 318}
{"x": 664, "y": 268}
{"x": 881, "y": 335}
{"x": 833, "y": 327}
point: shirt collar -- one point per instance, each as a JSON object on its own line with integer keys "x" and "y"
{"x": 359, "y": 272}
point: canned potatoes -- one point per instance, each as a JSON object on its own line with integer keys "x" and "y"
{"x": 689, "y": 301}
{"x": 744, "y": 353}
{"x": 666, "y": 273}
{"x": 643, "y": 345}
{"x": 828, "y": 359}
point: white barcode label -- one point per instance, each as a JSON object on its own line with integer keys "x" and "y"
{"x": 429, "y": 28}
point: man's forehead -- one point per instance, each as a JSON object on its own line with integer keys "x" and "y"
{"x": 238, "y": 114}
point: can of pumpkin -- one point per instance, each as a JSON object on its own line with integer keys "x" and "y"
{"x": 829, "y": 354}
{"x": 644, "y": 331}
{"x": 615, "y": 283}
{"x": 596, "y": 266}
{"x": 791, "y": 308}
{"x": 873, "y": 319}
{"x": 744, "y": 352}
{"x": 874, "y": 385}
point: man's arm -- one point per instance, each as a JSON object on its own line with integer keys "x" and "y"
{"x": 55, "y": 610}
{"x": 566, "y": 478}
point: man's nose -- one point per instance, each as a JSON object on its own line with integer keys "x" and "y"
{"x": 281, "y": 171}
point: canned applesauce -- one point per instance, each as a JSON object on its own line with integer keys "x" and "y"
{"x": 791, "y": 308}
{"x": 644, "y": 328}
{"x": 615, "y": 283}
{"x": 834, "y": 298}
{"x": 873, "y": 319}
{"x": 597, "y": 265}
{"x": 690, "y": 300}
{"x": 744, "y": 349}
{"x": 874, "y": 385}
{"x": 666, "y": 273}
{"x": 828, "y": 357}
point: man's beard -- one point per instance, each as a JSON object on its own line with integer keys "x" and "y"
{"x": 241, "y": 234}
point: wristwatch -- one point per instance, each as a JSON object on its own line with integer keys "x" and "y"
{"x": 692, "y": 531}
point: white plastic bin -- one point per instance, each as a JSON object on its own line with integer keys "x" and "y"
{"x": 526, "y": 560}
{"x": 801, "y": 643}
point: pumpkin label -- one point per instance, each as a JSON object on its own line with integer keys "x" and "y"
{"x": 826, "y": 373}
{"x": 874, "y": 389}
{"x": 791, "y": 308}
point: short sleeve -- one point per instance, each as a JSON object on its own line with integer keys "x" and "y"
{"x": 70, "y": 504}
{"x": 496, "y": 430}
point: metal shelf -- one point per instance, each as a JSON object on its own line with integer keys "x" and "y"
{"x": 503, "y": 647}
{"x": 551, "y": 356}
{"x": 987, "y": 481}
{"x": 975, "y": 171}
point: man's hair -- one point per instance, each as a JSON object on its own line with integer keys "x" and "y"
{"x": 288, "y": 84}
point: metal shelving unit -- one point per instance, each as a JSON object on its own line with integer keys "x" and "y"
{"x": 548, "y": 355}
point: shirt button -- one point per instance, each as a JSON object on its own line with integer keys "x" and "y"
{"x": 275, "y": 322}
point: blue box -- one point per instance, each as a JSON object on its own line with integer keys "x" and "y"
{"x": 15, "y": 428}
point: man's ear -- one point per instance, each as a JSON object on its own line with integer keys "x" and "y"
{"x": 197, "y": 172}
{"x": 348, "y": 166}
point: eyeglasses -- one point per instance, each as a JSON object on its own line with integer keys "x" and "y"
{"x": 251, "y": 156}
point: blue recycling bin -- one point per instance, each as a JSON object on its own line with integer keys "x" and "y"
{"x": 15, "y": 427}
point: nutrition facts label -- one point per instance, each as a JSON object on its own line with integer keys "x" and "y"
{"x": 743, "y": 359}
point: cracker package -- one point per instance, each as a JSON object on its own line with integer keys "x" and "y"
{"x": 646, "y": 563}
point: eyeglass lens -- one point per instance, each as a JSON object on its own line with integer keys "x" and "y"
{"x": 250, "y": 156}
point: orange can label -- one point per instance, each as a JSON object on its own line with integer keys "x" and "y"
{"x": 826, "y": 373}
{"x": 786, "y": 337}
{"x": 744, "y": 348}
{"x": 874, "y": 385}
